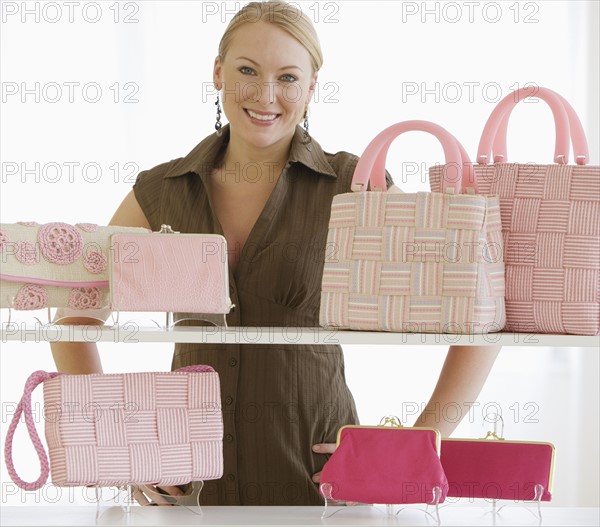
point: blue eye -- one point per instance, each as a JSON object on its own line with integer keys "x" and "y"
{"x": 289, "y": 78}
{"x": 246, "y": 70}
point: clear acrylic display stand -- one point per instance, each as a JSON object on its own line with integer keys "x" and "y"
{"x": 538, "y": 488}
{"x": 130, "y": 495}
{"x": 327, "y": 489}
{"x": 493, "y": 435}
{"x": 103, "y": 314}
{"x": 16, "y": 316}
{"x": 219, "y": 320}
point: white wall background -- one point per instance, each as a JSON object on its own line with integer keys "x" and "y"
{"x": 384, "y": 62}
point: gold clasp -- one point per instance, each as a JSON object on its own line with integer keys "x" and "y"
{"x": 493, "y": 435}
{"x": 391, "y": 420}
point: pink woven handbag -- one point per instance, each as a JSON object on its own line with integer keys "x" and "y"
{"x": 382, "y": 464}
{"x": 550, "y": 224}
{"x": 168, "y": 271}
{"x": 115, "y": 429}
{"x": 56, "y": 264}
{"x": 422, "y": 262}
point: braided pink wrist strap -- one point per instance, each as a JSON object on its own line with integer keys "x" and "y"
{"x": 24, "y": 406}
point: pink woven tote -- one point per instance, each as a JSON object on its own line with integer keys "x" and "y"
{"x": 422, "y": 262}
{"x": 115, "y": 429}
{"x": 550, "y": 223}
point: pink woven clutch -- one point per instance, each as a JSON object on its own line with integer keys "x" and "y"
{"x": 116, "y": 429}
{"x": 381, "y": 464}
{"x": 422, "y": 262}
{"x": 550, "y": 223}
{"x": 171, "y": 272}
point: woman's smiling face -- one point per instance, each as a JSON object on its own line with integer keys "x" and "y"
{"x": 266, "y": 80}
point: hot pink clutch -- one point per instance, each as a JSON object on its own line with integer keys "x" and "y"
{"x": 171, "y": 272}
{"x": 116, "y": 429}
{"x": 380, "y": 464}
{"x": 498, "y": 469}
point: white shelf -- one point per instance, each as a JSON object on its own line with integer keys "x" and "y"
{"x": 451, "y": 515}
{"x": 132, "y": 333}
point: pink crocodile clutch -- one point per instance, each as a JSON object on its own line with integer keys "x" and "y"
{"x": 171, "y": 272}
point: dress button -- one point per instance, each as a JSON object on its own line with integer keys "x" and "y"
{"x": 230, "y": 477}
{"x": 228, "y": 400}
{"x": 232, "y": 362}
{"x": 229, "y": 438}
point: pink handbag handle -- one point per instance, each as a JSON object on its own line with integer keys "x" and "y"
{"x": 24, "y": 406}
{"x": 505, "y": 107}
{"x": 371, "y": 165}
{"x": 578, "y": 138}
{"x": 468, "y": 179}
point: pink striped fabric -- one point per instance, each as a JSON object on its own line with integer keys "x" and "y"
{"x": 423, "y": 262}
{"x": 146, "y": 428}
{"x": 551, "y": 230}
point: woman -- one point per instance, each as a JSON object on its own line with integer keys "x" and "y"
{"x": 266, "y": 185}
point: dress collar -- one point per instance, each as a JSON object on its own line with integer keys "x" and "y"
{"x": 201, "y": 160}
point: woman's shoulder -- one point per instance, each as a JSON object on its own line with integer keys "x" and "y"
{"x": 341, "y": 161}
{"x": 344, "y": 163}
{"x": 156, "y": 173}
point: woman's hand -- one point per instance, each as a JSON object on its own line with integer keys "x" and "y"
{"x": 328, "y": 449}
{"x": 153, "y": 495}
{"x": 322, "y": 448}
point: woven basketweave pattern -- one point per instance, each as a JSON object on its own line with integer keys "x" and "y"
{"x": 424, "y": 262}
{"x": 150, "y": 428}
{"x": 551, "y": 229}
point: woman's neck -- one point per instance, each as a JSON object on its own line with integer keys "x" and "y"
{"x": 245, "y": 163}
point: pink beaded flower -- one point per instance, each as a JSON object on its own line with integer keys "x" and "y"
{"x": 87, "y": 227}
{"x": 28, "y": 223}
{"x": 60, "y": 243}
{"x": 95, "y": 262}
{"x": 27, "y": 253}
{"x": 3, "y": 240}
{"x": 31, "y": 296}
{"x": 85, "y": 298}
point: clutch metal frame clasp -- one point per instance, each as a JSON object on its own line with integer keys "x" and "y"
{"x": 166, "y": 229}
{"x": 391, "y": 420}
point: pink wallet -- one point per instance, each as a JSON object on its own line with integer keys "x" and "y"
{"x": 169, "y": 271}
{"x": 498, "y": 469}
{"x": 381, "y": 464}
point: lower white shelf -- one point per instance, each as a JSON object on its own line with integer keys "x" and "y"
{"x": 364, "y": 515}
{"x": 132, "y": 333}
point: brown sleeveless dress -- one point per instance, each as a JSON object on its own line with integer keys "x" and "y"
{"x": 278, "y": 400}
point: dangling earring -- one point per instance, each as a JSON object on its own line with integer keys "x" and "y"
{"x": 218, "y": 124}
{"x": 306, "y": 139}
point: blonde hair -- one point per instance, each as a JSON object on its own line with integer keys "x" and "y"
{"x": 283, "y": 15}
